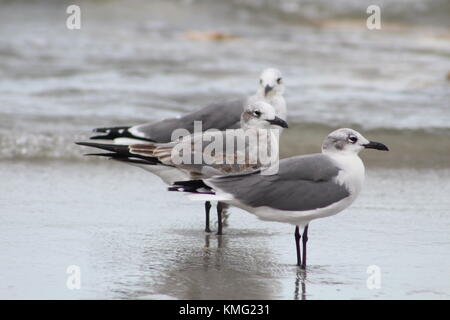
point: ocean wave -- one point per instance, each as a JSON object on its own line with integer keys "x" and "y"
{"x": 427, "y": 148}
{"x": 409, "y": 148}
{"x": 413, "y": 12}
{"x": 392, "y": 85}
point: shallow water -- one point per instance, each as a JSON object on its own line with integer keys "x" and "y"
{"x": 135, "y": 240}
{"x": 133, "y": 62}
{"x": 126, "y": 66}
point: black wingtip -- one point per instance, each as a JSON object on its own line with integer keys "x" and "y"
{"x": 118, "y": 148}
{"x": 193, "y": 186}
{"x": 111, "y": 133}
{"x": 110, "y": 155}
{"x": 101, "y": 130}
{"x": 119, "y": 152}
{"x": 87, "y": 144}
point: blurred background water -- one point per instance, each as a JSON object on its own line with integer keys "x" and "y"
{"x": 135, "y": 61}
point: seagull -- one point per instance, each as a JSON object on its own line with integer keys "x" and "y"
{"x": 218, "y": 115}
{"x": 161, "y": 158}
{"x": 305, "y": 188}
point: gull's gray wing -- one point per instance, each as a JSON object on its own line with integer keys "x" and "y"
{"x": 221, "y": 116}
{"x": 302, "y": 183}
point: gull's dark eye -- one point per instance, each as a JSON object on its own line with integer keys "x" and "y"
{"x": 353, "y": 139}
{"x": 257, "y": 113}
{"x": 279, "y": 80}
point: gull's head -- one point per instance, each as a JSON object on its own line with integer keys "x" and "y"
{"x": 349, "y": 141}
{"x": 260, "y": 115}
{"x": 271, "y": 82}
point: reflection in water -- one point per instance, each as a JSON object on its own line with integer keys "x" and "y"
{"x": 207, "y": 251}
{"x": 194, "y": 265}
{"x": 215, "y": 270}
{"x": 300, "y": 281}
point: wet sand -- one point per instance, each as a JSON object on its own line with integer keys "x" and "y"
{"x": 132, "y": 239}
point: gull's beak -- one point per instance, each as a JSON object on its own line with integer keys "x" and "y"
{"x": 375, "y": 145}
{"x": 267, "y": 89}
{"x": 278, "y": 122}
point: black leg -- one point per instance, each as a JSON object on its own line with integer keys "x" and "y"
{"x": 219, "y": 218}
{"x": 297, "y": 244}
{"x": 207, "y": 207}
{"x": 304, "y": 241}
